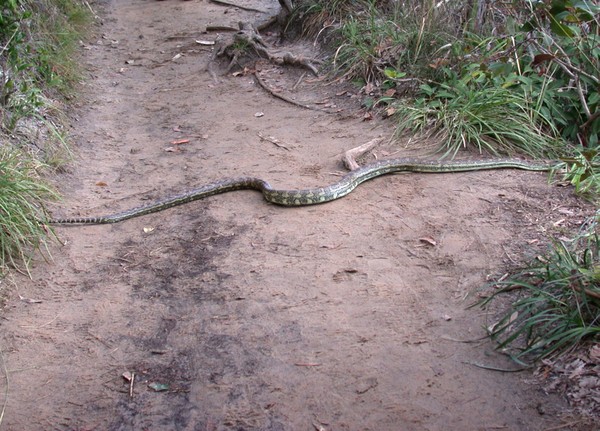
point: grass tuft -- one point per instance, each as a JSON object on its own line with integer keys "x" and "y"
{"x": 22, "y": 194}
{"x": 558, "y": 305}
{"x": 494, "y": 120}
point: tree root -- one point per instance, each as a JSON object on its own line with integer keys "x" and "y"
{"x": 247, "y": 41}
{"x": 280, "y": 96}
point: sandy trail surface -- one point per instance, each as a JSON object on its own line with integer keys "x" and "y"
{"x": 232, "y": 313}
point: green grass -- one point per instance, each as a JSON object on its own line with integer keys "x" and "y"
{"x": 557, "y": 305}
{"x": 501, "y": 78}
{"x": 22, "y": 197}
{"x": 38, "y": 66}
{"x": 374, "y": 42}
{"x": 489, "y": 119}
{"x": 59, "y": 25}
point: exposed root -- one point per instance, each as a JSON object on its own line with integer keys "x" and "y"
{"x": 350, "y": 156}
{"x": 280, "y": 96}
{"x": 247, "y": 41}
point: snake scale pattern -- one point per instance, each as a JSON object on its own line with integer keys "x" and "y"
{"x": 314, "y": 195}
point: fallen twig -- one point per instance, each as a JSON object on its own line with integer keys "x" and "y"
{"x": 131, "y": 385}
{"x": 5, "y": 369}
{"x": 220, "y": 28}
{"x": 457, "y": 340}
{"x": 272, "y": 141}
{"x": 91, "y": 10}
{"x": 491, "y": 368}
{"x": 224, "y": 3}
{"x": 298, "y": 81}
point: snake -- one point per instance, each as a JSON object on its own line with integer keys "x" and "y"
{"x": 311, "y": 196}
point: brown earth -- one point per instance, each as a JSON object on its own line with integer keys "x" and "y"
{"x": 345, "y": 316}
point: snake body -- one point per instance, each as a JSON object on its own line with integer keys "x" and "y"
{"x": 314, "y": 195}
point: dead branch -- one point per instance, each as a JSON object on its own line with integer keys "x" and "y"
{"x": 273, "y": 141}
{"x": 224, "y": 3}
{"x": 210, "y": 28}
{"x": 350, "y": 156}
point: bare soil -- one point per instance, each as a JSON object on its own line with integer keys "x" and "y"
{"x": 346, "y": 316}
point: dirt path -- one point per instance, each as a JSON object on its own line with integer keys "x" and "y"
{"x": 335, "y": 317}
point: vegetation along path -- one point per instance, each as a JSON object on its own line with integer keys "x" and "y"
{"x": 232, "y": 313}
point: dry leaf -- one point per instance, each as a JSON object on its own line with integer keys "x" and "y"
{"x": 428, "y": 240}
{"x": 369, "y": 88}
{"x": 542, "y": 58}
{"x": 101, "y": 184}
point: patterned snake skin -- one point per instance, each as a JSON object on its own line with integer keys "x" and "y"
{"x": 315, "y": 195}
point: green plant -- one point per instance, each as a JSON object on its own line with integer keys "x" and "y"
{"x": 551, "y": 56}
{"x": 22, "y": 197}
{"x": 564, "y": 46}
{"x": 462, "y": 113}
{"x": 37, "y": 41}
{"x": 59, "y": 25}
{"x": 372, "y": 36}
{"x": 582, "y": 171}
{"x": 558, "y": 304}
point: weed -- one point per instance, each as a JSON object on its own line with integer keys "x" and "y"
{"x": 22, "y": 197}
{"x": 37, "y": 41}
{"x": 491, "y": 119}
{"x": 582, "y": 171}
{"x": 559, "y": 301}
